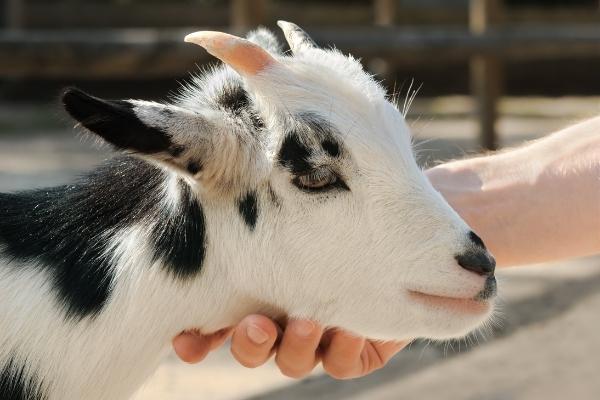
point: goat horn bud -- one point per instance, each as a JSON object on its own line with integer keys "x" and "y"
{"x": 245, "y": 57}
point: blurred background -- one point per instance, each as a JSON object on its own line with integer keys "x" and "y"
{"x": 484, "y": 74}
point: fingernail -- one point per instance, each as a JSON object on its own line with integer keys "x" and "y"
{"x": 256, "y": 335}
{"x": 303, "y": 328}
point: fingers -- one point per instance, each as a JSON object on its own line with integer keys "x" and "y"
{"x": 297, "y": 353}
{"x": 342, "y": 357}
{"x": 218, "y": 338}
{"x": 384, "y": 351}
{"x": 191, "y": 346}
{"x": 302, "y": 346}
{"x": 348, "y": 356}
{"x": 375, "y": 355}
{"x": 253, "y": 340}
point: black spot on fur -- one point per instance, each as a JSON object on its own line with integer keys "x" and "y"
{"x": 43, "y": 227}
{"x": 331, "y": 147}
{"x": 324, "y": 131}
{"x": 273, "y": 196}
{"x": 194, "y": 167}
{"x": 248, "y": 208}
{"x": 66, "y": 230}
{"x": 294, "y": 155}
{"x": 176, "y": 150}
{"x": 115, "y": 121}
{"x": 234, "y": 98}
{"x": 18, "y": 384}
{"x": 321, "y": 127}
{"x": 179, "y": 240}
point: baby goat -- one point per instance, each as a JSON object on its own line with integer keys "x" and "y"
{"x": 279, "y": 184}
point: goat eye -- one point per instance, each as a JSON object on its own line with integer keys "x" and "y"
{"x": 318, "y": 180}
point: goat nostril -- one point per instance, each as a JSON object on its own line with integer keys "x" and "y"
{"x": 476, "y": 240}
{"x": 478, "y": 261}
{"x": 489, "y": 290}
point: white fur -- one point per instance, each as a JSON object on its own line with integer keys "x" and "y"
{"x": 345, "y": 260}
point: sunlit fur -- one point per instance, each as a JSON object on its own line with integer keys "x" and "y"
{"x": 344, "y": 258}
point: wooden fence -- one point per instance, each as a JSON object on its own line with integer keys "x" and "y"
{"x": 46, "y": 40}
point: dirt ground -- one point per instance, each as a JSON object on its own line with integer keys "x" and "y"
{"x": 545, "y": 344}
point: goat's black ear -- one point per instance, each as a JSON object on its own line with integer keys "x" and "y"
{"x": 115, "y": 121}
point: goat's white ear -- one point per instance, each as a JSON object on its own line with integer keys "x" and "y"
{"x": 245, "y": 57}
{"x": 297, "y": 39}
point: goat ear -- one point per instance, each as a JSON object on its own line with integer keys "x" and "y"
{"x": 297, "y": 39}
{"x": 117, "y": 122}
{"x": 191, "y": 143}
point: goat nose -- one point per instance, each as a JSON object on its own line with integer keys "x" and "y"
{"x": 478, "y": 261}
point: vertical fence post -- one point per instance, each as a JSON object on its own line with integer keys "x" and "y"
{"x": 384, "y": 12}
{"x": 486, "y": 72}
{"x": 14, "y": 14}
{"x": 247, "y": 14}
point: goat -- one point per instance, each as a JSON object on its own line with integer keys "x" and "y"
{"x": 273, "y": 183}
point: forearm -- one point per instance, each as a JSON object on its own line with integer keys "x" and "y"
{"x": 537, "y": 203}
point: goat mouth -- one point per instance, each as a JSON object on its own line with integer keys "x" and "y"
{"x": 451, "y": 304}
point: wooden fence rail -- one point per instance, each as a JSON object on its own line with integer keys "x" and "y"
{"x": 488, "y": 38}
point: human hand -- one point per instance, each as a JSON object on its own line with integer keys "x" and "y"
{"x": 297, "y": 350}
{"x": 192, "y": 347}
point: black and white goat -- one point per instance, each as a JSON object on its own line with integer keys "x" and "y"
{"x": 281, "y": 184}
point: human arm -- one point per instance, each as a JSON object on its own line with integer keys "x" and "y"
{"x": 536, "y": 203}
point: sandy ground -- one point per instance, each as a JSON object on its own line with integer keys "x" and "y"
{"x": 545, "y": 345}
